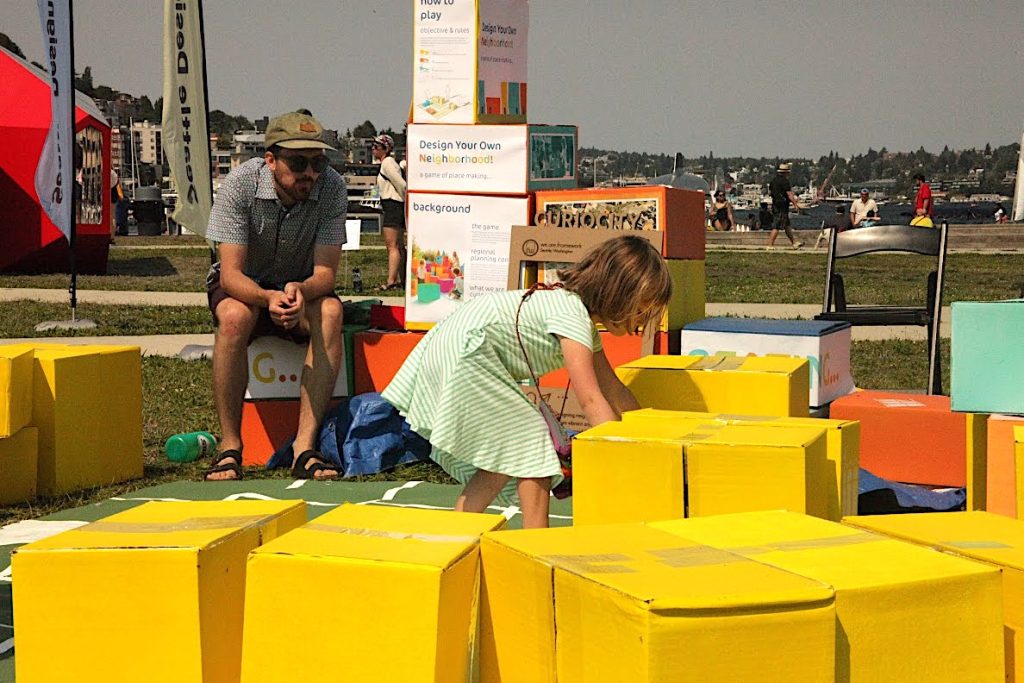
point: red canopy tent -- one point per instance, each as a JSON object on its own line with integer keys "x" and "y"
{"x": 29, "y": 241}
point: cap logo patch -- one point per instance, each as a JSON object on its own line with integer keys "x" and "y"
{"x": 307, "y": 128}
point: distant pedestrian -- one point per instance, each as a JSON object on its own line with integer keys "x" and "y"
{"x": 923, "y": 204}
{"x": 782, "y": 196}
{"x": 861, "y": 207}
{"x": 721, "y": 213}
{"x": 1000, "y": 214}
{"x": 764, "y": 217}
{"x": 391, "y": 190}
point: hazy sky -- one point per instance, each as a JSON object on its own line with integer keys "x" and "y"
{"x": 737, "y": 77}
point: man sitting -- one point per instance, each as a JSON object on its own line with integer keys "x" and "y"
{"x": 860, "y": 207}
{"x": 280, "y": 223}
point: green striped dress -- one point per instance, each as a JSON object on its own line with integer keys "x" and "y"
{"x": 459, "y": 386}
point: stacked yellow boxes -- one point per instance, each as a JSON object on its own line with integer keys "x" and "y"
{"x": 905, "y": 613}
{"x": 631, "y": 603}
{"x": 391, "y": 591}
{"x": 87, "y": 404}
{"x": 18, "y": 441}
{"x": 982, "y": 536}
{"x": 696, "y": 470}
{"x": 772, "y": 386}
{"x": 842, "y": 445}
{"x": 150, "y": 594}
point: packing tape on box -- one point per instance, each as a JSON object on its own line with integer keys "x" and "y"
{"x": 810, "y": 544}
{"x": 193, "y": 524}
{"x": 718, "y": 363}
{"x": 690, "y": 556}
{"x": 399, "y": 535}
{"x": 975, "y": 545}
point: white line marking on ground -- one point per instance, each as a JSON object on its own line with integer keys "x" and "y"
{"x": 259, "y": 496}
{"x": 5, "y": 575}
{"x": 297, "y": 484}
{"x": 161, "y": 500}
{"x": 28, "y": 530}
{"x": 6, "y": 645}
{"x": 391, "y": 493}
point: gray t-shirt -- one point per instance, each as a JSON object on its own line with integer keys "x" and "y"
{"x": 280, "y": 241}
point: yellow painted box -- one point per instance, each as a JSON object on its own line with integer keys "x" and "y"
{"x": 905, "y": 613}
{"x": 390, "y": 592}
{"x": 15, "y": 387}
{"x": 754, "y": 385}
{"x": 688, "y": 300}
{"x": 842, "y": 447}
{"x": 980, "y": 536}
{"x": 87, "y": 404}
{"x": 634, "y": 472}
{"x": 153, "y": 593}
{"x": 18, "y": 466}
{"x": 632, "y": 603}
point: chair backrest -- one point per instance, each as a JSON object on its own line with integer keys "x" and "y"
{"x": 890, "y": 238}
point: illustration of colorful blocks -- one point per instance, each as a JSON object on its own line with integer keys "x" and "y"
{"x": 772, "y": 386}
{"x": 632, "y": 603}
{"x": 980, "y": 536}
{"x": 117, "y": 593}
{"x": 986, "y": 363}
{"x": 696, "y": 470}
{"x": 917, "y": 439}
{"x": 905, "y": 613}
{"x": 19, "y": 466}
{"x": 87, "y": 404}
{"x": 842, "y": 447}
{"x": 15, "y": 387}
{"x": 376, "y": 566}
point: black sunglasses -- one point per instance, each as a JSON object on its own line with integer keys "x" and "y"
{"x": 299, "y": 164}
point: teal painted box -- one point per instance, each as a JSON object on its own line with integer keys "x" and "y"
{"x": 987, "y": 358}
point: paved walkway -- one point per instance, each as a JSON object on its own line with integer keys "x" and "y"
{"x": 196, "y": 345}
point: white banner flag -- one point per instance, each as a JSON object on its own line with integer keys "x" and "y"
{"x": 1018, "y": 192}
{"x": 55, "y": 174}
{"x": 186, "y": 140}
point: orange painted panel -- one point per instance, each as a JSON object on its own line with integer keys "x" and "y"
{"x": 1002, "y": 468}
{"x": 378, "y": 355}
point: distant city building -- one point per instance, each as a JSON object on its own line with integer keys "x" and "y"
{"x": 146, "y": 139}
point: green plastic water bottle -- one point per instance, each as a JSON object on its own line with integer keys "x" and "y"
{"x": 190, "y": 446}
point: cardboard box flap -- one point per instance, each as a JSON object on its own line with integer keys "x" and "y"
{"x": 377, "y": 533}
{"x": 980, "y": 536}
{"x": 637, "y": 431}
{"x": 842, "y": 556}
{"x": 755, "y": 436}
{"x": 663, "y": 572}
{"x": 192, "y": 525}
{"x": 770, "y": 364}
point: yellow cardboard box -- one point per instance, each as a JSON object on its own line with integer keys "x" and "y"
{"x": 394, "y": 588}
{"x": 632, "y": 603}
{"x": 905, "y": 613}
{"x": 688, "y": 294}
{"x": 981, "y": 536}
{"x": 675, "y": 471}
{"x": 18, "y": 466}
{"x": 842, "y": 447}
{"x": 15, "y": 387}
{"x": 150, "y": 594}
{"x": 754, "y": 385}
{"x": 87, "y": 404}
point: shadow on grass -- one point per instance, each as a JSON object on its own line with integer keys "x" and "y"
{"x": 150, "y": 266}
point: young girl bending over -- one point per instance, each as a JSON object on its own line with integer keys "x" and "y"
{"x": 460, "y": 388}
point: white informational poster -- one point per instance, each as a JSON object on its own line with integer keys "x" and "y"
{"x": 490, "y": 159}
{"x": 480, "y": 159}
{"x": 275, "y": 369}
{"x": 827, "y": 355}
{"x": 458, "y": 249}
{"x": 353, "y": 231}
{"x": 469, "y": 61}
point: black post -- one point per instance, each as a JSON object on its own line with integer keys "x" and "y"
{"x": 76, "y": 194}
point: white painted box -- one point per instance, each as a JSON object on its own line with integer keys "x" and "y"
{"x": 825, "y": 345}
{"x": 275, "y": 369}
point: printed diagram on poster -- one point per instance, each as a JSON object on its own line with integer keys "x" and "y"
{"x": 614, "y": 214}
{"x": 458, "y": 249}
{"x": 552, "y": 156}
{"x": 470, "y": 61}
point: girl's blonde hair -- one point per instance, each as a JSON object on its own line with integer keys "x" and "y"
{"x": 622, "y": 281}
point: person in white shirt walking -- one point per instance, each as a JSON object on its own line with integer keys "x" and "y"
{"x": 391, "y": 190}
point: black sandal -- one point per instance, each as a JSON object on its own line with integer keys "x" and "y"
{"x": 302, "y": 469}
{"x": 226, "y": 461}
{"x": 391, "y": 287}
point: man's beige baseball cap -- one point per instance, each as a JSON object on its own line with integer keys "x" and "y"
{"x": 295, "y": 130}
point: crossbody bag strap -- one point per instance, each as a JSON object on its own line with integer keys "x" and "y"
{"x": 533, "y": 375}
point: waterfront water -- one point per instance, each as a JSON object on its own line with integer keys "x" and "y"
{"x": 892, "y": 213}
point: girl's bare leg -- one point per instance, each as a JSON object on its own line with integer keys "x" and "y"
{"x": 534, "y": 499}
{"x": 480, "y": 491}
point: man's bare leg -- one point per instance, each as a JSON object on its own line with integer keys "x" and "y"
{"x": 235, "y": 322}
{"x": 319, "y": 373}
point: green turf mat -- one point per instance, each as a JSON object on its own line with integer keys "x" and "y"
{"x": 320, "y": 496}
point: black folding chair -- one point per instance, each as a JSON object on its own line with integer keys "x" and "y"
{"x": 929, "y": 242}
